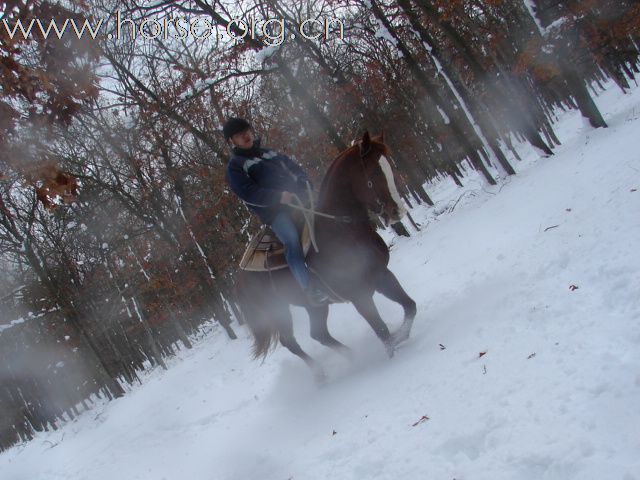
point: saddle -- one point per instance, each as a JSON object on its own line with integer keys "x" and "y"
{"x": 265, "y": 252}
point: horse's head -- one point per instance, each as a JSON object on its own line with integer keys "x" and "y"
{"x": 374, "y": 185}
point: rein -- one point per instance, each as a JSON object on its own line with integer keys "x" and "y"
{"x": 337, "y": 218}
{"x": 310, "y": 213}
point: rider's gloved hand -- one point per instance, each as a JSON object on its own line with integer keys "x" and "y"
{"x": 286, "y": 197}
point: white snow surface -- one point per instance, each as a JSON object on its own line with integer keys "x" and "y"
{"x": 555, "y": 396}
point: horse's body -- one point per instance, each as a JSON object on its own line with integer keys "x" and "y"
{"x": 352, "y": 258}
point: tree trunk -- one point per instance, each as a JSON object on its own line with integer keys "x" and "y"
{"x": 400, "y": 229}
{"x": 66, "y": 305}
{"x": 457, "y": 122}
{"x": 155, "y": 348}
{"x": 477, "y": 109}
{"x": 585, "y": 103}
{"x": 481, "y": 74}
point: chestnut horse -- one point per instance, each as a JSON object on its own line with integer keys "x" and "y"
{"x": 352, "y": 258}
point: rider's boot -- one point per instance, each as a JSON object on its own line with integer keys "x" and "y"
{"x": 316, "y": 295}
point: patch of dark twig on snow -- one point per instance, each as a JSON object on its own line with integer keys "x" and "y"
{"x": 423, "y": 419}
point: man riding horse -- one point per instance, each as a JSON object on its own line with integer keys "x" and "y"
{"x": 267, "y": 182}
{"x": 351, "y": 258}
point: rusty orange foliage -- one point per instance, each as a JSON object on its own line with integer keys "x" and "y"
{"x": 52, "y": 183}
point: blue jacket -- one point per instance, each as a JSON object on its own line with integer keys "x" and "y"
{"x": 259, "y": 176}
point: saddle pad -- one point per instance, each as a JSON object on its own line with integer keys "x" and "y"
{"x": 265, "y": 252}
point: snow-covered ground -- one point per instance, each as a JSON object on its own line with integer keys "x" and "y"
{"x": 554, "y": 396}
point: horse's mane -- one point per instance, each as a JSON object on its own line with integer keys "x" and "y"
{"x": 335, "y": 166}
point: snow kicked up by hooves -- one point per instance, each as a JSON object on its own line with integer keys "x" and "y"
{"x": 523, "y": 362}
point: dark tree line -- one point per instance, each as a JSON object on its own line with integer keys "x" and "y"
{"x": 117, "y": 232}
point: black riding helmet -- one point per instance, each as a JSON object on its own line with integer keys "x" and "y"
{"x": 234, "y": 125}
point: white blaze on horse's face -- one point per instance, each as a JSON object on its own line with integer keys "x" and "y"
{"x": 391, "y": 185}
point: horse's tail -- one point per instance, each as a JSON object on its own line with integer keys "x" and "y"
{"x": 259, "y": 318}
{"x": 264, "y": 340}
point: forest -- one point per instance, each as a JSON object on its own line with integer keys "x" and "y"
{"x": 119, "y": 238}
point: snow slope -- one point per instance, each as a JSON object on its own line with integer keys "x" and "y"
{"x": 555, "y": 396}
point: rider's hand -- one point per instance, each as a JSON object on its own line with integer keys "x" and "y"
{"x": 286, "y": 197}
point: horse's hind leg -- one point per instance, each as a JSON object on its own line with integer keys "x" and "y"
{"x": 367, "y": 308}
{"x": 389, "y": 286}
{"x": 320, "y": 331}
{"x": 285, "y": 330}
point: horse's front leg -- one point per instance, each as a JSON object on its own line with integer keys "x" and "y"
{"x": 285, "y": 332}
{"x": 389, "y": 286}
{"x": 320, "y": 331}
{"x": 367, "y": 308}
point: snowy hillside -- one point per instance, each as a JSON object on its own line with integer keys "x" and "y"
{"x": 524, "y": 361}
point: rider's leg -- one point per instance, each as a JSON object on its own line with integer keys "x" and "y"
{"x": 286, "y": 231}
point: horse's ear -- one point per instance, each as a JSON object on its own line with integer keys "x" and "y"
{"x": 365, "y": 146}
{"x": 379, "y": 137}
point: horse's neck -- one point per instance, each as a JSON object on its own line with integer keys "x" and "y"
{"x": 341, "y": 203}
{"x": 336, "y": 197}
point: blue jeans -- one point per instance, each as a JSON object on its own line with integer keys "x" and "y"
{"x": 286, "y": 231}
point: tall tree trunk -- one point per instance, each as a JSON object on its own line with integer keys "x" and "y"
{"x": 151, "y": 338}
{"x": 583, "y": 99}
{"x": 514, "y": 101}
{"x": 477, "y": 109}
{"x": 457, "y": 122}
{"x": 108, "y": 381}
{"x": 299, "y": 90}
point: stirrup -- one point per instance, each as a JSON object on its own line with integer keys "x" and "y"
{"x": 326, "y": 288}
{"x": 317, "y": 296}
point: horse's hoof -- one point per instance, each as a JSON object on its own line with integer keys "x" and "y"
{"x": 390, "y": 347}
{"x": 320, "y": 378}
{"x": 402, "y": 335}
{"x": 347, "y": 353}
